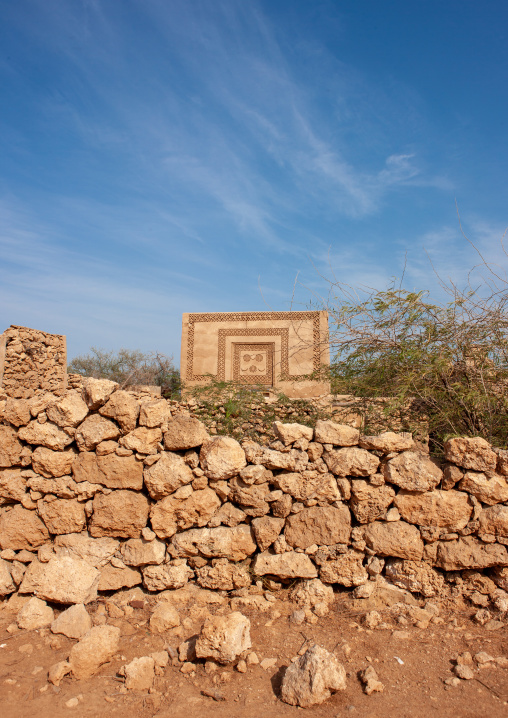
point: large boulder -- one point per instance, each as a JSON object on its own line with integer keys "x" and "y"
{"x": 22, "y": 529}
{"x": 69, "y": 410}
{"x": 173, "y": 514}
{"x": 62, "y": 579}
{"x": 96, "y": 647}
{"x": 16, "y": 411}
{"x": 312, "y": 678}
{"x": 93, "y": 430}
{"x": 48, "y": 434}
{"x": 469, "y": 552}
{"x": 223, "y": 638}
{"x": 446, "y": 509}
{"x": 387, "y": 442}
{"x": 351, "y": 461}
{"x": 111, "y": 470}
{"x": 235, "y": 543}
{"x": 96, "y": 392}
{"x": 493, "y": 490}
{"x": 222, "y": 458}
{"x": 10, "y": 447}
{"x": 328, "y": 432}
{"x": 289, "y": 433}
{"x": 49, "y": 463}
{"x": 475, "y": 454}
{"x": 123, "y": 408}
{"x": 368, "y": 502}
{"x": 395, "y": 538}
{"x": 95, "y": 551}
{"x": 321, "y": 525}
{"x": 412, "y": 470}
{"x": 494, "y": 521}
{"x": 266, "y": 529}
{"x": 308, "y": 485}
{"x": 286, "y": 565}
{"x": 167, "y": 475}
{"x": 414, "y": 576}
{"x": 347, "y": 569}
{"x": 62, "y": 516}
{"x": 154, "y": 413}
{"x": 142, "y": 440}
{"x": 138, "y": 552}
{"x": 184, "y": 432}
{"x": 120, "y": 513}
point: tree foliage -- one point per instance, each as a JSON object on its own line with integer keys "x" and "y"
{"x": 129, "y": 368}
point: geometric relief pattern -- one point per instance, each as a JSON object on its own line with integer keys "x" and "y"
{"x": 253, "y": 363}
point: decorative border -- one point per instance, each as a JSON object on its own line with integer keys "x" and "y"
{"x": 246, "y": 317}
{"x": 264, "y": 379}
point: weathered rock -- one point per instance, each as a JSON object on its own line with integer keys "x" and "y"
{"x": 328, "y": 432}
{"x": 22, "y": 529}
{"x": 164, "y": 617}
{"x": 252, "y": 498}
{"x": 223, "y": 638}
{"x": 447, "y": 509}
{"x": 494, "y": 521}
{"x": 371, "y": 683}
{"x": 184, "y": 432}
{"x": 10, "y": 447}
{"x": 48, "y": 434}
{"x": 266, "y": 529}
{"x": 96, "y": 647}
{"x": 489, "y": 491}
{"x": 394, "y": 539}
{"x": 96, "y": 392}
{"x": 138, "y": 552}
{"x": 308, "y": 485}
{"x": 121, "y": 513}
{"x": 74, "y": 622}
{"x": 289, "y": 433}
{"x": 111, "y": 470}
{"x": 312, "y": 678}
{"x": 282, "y": 507}
{"x": 387, "y": 442}
{"x": 321, "y": 525}
{"x": 142, "y": 440}
{"x": 167, "y": 475}
{"x": 12, "y": 486}
{"x": 49, "y": 463}
{"x": 223, "y": 576}
{"x": 351, "y": 461}
{"x": 413, "y": 471}
{"x": 172, "y": 514}
{"x": 69, "y": 410}
{"x": 451, "y": 475}
{"x": 284, "y": 565}
{"x": 415, "y": 576}
{"x": 469, "y": 552}
{"x": 63, "y": 516}
{"x": 257, "y": 474}
{"x": 7, "y": 585}
{"x": 169, "y": 576}
{"x": 92, "y": 431}
{"x": 58, "y": 671}
{"x": 140, "y": 673}
{"x": 228, "y": 514}
{"x": 123, "y": 408}
{"x": 62, "y": 579}
{"x": 499, "y": 575}
{"x": 347, "y": 569}
{"x": 35, "y": 614}
{"x": 113, "y": 579}
{"x": 16, "y": 412}
{"x": 311, "y": 592}
{"x": 154, "y": 413}
{"x": 476, "y": 454}
{"x": 222, "y": 458}
{"x": 276, "y": 460}
{"x": 368, "y": 502}
{"x": 97, "y": 552}
{"x": 235, "y": 543}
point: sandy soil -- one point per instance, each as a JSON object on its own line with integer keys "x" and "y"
{"x": 412, "y": 663}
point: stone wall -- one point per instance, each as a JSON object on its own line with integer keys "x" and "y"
{"x": 31, "y": 360}
{"x": 102, "y": 489}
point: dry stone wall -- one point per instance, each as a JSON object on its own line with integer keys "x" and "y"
{"x": 102, "y": 488}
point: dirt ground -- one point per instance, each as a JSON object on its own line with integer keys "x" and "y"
{"x": 411, "y": 662}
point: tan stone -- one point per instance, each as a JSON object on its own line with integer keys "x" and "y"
{"x": 113, "y": 579}
{"x": 12, "y": 486}
{"x": 394, "y": 539}
{"x": 500, "y": 577}
{"x": 63, "y": 516}
{"x": 96, "y": 392}
{"x": 172, "y": 514}
{"x": 49, "y": 463}
{"x": 164, "y": 617}
{"x": 96, "y": 647}
{"x": 140, "y": 673}
{"x": 62, "y": 579}
{"x": 7, "y": 585}
{"x": 286, "y": 565}
{"x": 222, "y": 458}
{"x": 502, "y": 461}
{"x": 223, "y": 638}
{"x": 223, "y": 576}
{"x": 154, "y": 413}
{"x": 93, "y": 430}
{"x": 415, "y": 576}
{"x": 252, "y": 498}
{"x": 328, "y": 432}
{"x": 35, "y": 614}
{"x": 282, "y": 507}
{"x": 138, "y": 552}
{"x": 74, "y": 622}
{"x": 22, "y": 529}
{"x": 10, "y": 448}
{"x": 469, "y": 552}
{"x": 347, "y": 569}
{"x": 387, "y": 442}
{"x": 172, "y": 575}
{"x": 227, "y": 514}
{"x": 69, "y": 410}
{"x": 311, "y": 592}
{"x": 447, "y": 509}
{"x": 48, "y": 434}
{"x": 451, "y": 475}
{"x": 16, "y": 411}
{"x": 308, "y": 485}
{"x": 289, "y": 433}
{"x": 122, "y": 513}
{"x": 476, "y": 454}
{"x": 266, "y": 529}
{"x": 413, "y": 471}
{"x": 321, "y": 525}
{"x": 351, "y": 461}
{"x": 142, "y": 440}
{"x": 489, "y": 491}
{"x": 123, "y": 408}
{"x": 368, "y": 502}
{"x": 167, "y": 475}
{"x": 58, "y": 671}
{"x": 494, "y": 521}
{"x": 312, "y": 678}
{"x": 276, "y": 460}
{"x": 95, "y": 551}
{"x": 111, "y": 470}
{"x": 184, "y": 432}
{"x": 235, "y": 543}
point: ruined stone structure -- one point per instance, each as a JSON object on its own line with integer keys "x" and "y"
{"x": 271, "y": 350}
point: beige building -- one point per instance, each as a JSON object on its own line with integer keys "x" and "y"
{"x": 267, "y": 350}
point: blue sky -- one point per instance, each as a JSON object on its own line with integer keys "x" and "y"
{"x": 164, "y": 156}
